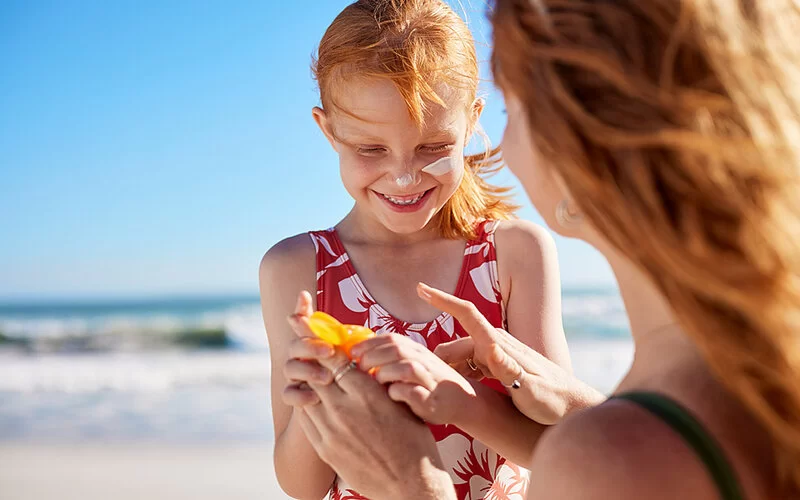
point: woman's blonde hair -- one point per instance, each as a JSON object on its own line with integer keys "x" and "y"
{"x": 416, "y": 44}
{"x": 676, "y": 126}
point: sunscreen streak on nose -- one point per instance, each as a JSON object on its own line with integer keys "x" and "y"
{"x": 440, "y": 167}
{"x": 404, "y": 180}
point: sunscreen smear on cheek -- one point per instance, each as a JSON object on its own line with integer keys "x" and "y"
{"x": 440, "y": 167}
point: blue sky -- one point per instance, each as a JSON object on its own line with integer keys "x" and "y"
{"x": 151, "y": 148}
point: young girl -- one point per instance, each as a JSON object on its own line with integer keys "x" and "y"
{"x": 398, "y": 83}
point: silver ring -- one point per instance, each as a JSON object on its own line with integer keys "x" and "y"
{"x": 513, "y": 385}
{"x": 342, "y": 370}
{"x": 472, "y": 365}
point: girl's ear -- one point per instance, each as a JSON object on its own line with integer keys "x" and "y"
{"x": 323, "y": 122}
{"x": 477, "y": 108}
{"x": 475, "y": 116}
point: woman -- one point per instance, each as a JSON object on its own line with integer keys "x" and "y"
{"x": 664, "y": 133}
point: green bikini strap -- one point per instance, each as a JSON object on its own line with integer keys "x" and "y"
{"x": 695, "y": 435}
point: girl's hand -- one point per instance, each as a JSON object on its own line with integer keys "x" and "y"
{"x": 540, "y": 389}
{"x": 350, "y": 421}
{"x": 430, "y": 387}
{"x": 303, "y": 365}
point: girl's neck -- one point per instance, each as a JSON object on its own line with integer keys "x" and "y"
{"x": 363, "y": 227}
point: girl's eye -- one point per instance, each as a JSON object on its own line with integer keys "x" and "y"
{"x": 370, "y": 151}
{"x": 438, "y": 149}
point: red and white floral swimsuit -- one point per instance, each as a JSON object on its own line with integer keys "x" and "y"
{"x": 477, "y": 471}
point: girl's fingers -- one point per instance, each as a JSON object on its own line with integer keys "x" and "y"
{"x": 408, "y": 371}
{"x": 299, "y": 395}
{"x": 413, "y": 395}
{"x": 363, "y": 347}
{"x": 309, "y": 428}
{"x": 310, "y": 348}
{"x": 300, "y": 370}
{"x": 303, "y": 307}
{"x": 384, "y": 354}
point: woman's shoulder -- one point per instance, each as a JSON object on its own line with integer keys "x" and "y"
{"x": 617, "y": 450}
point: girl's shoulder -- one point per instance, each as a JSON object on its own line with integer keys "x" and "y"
{"x": 288, "y": 263}
{"x": 523, "y": 247}
{"x": 520, "y": 236}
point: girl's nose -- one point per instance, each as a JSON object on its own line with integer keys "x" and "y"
{"x": 405, "y": 176}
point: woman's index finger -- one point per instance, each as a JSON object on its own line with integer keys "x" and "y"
{"x": 463, "y": 311}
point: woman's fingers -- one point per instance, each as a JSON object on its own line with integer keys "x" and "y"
{"x": 473, "y": 322}
{"x": 504, "y": 367}
{"x": 456, "y": 351}
{"x": 466, "y": 371}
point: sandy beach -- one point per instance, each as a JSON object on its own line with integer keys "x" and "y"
{"x": 137, "y": 471}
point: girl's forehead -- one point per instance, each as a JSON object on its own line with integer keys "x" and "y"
{"x": 371, "y": 103}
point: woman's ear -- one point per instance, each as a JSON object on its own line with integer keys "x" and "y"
{"x": 323, "y": 122}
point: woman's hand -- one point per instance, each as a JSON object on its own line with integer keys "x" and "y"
{"x": 432, "y": 389}
{"x": 540, "y": 389}
{"x": 374, "y": 444}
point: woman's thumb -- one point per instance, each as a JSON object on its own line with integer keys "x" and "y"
{"x": 455, "y": 351}
{"x": 503, "y": 367}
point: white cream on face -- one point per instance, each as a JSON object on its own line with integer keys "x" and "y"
{"x": 404, "y": 180}
{"x": 440, "y": 167}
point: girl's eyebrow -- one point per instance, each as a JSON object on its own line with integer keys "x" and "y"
{"x": 352, "y": 137}
{"x": 355, "y": 135}
{"x": 361, "y": 141}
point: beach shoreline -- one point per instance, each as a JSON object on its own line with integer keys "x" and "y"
{"x": 134, "y": 471}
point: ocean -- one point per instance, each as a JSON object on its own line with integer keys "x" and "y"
{"x": 190, "y": 370}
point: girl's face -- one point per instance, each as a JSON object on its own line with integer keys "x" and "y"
{"x": 382, "y": 151}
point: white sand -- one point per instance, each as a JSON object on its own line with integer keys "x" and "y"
{"x": 128, "y": 472}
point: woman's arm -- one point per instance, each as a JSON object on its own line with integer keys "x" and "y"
{"x": 535, "y": 353}
{"x": 438, "y": 394}
{"x": 287, "y": 268}
{"x": 529, "y": 281}
{"x": 530, "y": 285}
